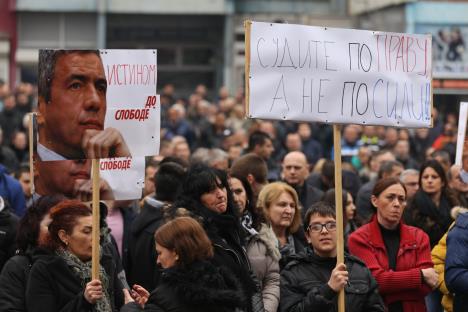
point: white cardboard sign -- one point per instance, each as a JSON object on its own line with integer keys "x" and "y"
{"x": 125, "y": 176}
{"x": 333, "y": 75}
{"x": 462, "y": 124}
{"x": 132, "y": 103}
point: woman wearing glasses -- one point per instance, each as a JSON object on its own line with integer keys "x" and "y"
{"x": 398, "y": 255}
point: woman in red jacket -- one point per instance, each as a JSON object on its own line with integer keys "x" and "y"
{"x": 398, "y": 255}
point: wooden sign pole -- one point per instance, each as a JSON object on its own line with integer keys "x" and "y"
{"x": 247, "y": 27}
{"x": 31, "y": 151}
{"x": 339, "y": 208}
{"x": 96, "y": 219}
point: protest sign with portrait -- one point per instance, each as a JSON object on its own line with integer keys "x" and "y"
{"x": 97, "y": 104}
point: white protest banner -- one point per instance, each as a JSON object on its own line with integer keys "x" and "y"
{"x": 97, "y": 104}
{"x": 331, "y": 75}
{"x": 125, "y": 176}
{"x": 462, "y": 121}
{"x": 132, "y": 104}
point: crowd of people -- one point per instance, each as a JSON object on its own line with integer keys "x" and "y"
{"x": 239, "y": 215}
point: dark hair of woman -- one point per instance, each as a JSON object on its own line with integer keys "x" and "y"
{"x": 187, "y": 238}
{"x": 329, "y": 197}
{"x": 64, "y": 216}
{"x": 202, "y": 179}
{"x": 257, "y": 214}
{"x": 29, "y": 225}
{"x": 385, "y": 183}
{"x": 434, "y": 164}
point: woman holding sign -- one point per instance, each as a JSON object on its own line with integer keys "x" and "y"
{"x": 61, "y": 280}
{"x": 398, "y": 255}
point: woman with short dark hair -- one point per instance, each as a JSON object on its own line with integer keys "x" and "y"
{"x": 398, "y": 255}
{"x": 61, "y": 280}
{"x": 189, "y": 282}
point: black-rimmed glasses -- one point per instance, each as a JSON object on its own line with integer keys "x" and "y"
{"x": 318, "y": 227}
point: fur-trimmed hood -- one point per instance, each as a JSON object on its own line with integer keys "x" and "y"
{"x": 201, "y": 285}
{"x": 455, "y": 211}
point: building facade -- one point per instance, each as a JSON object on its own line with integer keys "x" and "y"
{"x": 447, "y": 21}
{"x": 198, "y": 41}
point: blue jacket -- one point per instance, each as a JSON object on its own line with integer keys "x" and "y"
{"x": 10, "y": 190}
{"x": 456, "y": 263}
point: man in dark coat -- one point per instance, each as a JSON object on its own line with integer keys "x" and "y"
{"x": 12, "y": 192}
{"x": 295, "y": 171}
{"x": 141, "y": 264}
{"x": 456, "y": 263}
{"x": 8, "y": 228}
{"x": 10, "y": 118}
{"x": 313, "y": 279}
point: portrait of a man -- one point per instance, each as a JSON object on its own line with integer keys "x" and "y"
{"x": 72, "y": 108}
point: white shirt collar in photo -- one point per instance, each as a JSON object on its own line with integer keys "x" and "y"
{"x": 46, "y": 154}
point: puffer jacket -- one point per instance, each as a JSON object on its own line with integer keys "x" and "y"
{"x": 200, "y": 287}
{"x": 456, "y": 263}
{"x": 438, "y": 255}
{"x": 264, "y": 258}
{"x": 304, "y": 285}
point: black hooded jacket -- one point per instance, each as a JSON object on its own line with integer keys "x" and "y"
{"x": 8, "y": 227}
{"x": 142, "y": 268}
{"x": 14, "y": 277}
{"x": 227, "y": 237}
{"x": 304, "y": 285}
{"x": 200, "y": 287}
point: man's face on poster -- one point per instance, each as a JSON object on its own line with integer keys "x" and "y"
{"x": 61, "y": 177}
{"x": 77, "y": 103}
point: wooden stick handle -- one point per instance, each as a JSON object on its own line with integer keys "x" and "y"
{"x": 31, "y": 151}
{"x": 96, "y": 219}
{"x": 247, "y": 28}
{"x": 339, "y": 208}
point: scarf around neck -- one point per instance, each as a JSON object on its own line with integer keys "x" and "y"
{"x": 83, "y": 271}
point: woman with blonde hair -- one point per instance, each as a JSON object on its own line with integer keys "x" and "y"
{"x": 280, "y": 205}
{"x": 189, "y": 282}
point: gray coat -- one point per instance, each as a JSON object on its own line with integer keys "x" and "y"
{"x": 264, "y": 257}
